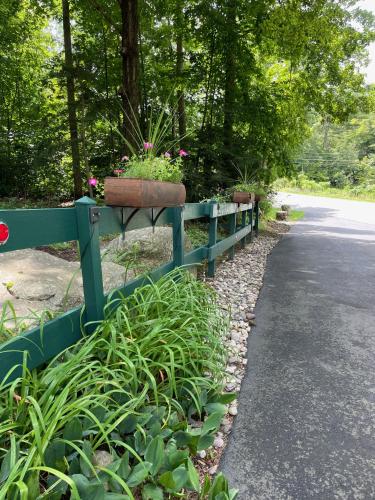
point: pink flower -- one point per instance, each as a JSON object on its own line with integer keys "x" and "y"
{"x": 148, "y": 145}
{"x": 118, "y": 171}
{"x": 183, "y": 153}
{"x": 167, "y": 154}
{"x": 93, "y": 181}
{"x": 125, "y": 158}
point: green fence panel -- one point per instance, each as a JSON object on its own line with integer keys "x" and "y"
{"x": 224, "y": 245}
{"x": 85, "y": 223}
{"x": 41, "y": 343}
{"x": 30, "y": 228}
{"x": 91, "y": 266}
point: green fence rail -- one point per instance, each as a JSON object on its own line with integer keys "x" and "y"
{"x": 85, "y": 223}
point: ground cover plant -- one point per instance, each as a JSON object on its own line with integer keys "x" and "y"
{"x": 121, "y": 414}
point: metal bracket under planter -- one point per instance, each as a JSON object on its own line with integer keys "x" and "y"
{"x": 94, "y": 214}
{"x": 154, "y": 219}
{"x": 155, "y": 214}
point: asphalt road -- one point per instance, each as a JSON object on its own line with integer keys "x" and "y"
{"x": 306, "y": 422}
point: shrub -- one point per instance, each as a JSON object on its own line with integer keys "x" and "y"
{"x": 119, "y": 413}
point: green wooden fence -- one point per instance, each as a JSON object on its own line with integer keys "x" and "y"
{"x": 85, "y": 223}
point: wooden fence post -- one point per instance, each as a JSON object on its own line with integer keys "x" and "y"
{"x": 243, "y": 224}
{"x": 256, "y": 223}
{"x": 232, "y": 230}
{"x": 178, "y": 237}
{"x": 89, "y": 248}
{"x": 212, "y": 238}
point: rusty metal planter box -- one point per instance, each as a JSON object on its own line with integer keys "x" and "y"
{"x": 243, "y": 197}
{"x": 140, "y": 193}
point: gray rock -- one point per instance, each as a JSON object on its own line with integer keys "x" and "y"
{"x": 102, "y": 458}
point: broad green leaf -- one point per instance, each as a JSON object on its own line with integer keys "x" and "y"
{"x": 205, "y": 442}
{"x": 193, "y": 476}
{"x": 155, "y": 454}
{"x": 152, "y": 492}
{"x": 128, "y": 425}
{"x": 212, "y": 422}
{"x": 89, "y": 490}
{"x": 85, "y": 467}
{"x": 180, "y": 477}
{"x": 73, "y": 430}
{"x": 216, "y": 408}
{"x": 124, "y": 469}
{"x": 139, "y": 474}
{"x": 167, "y": 481}
{"x": 54, "y": 455}
{"x": 227, "y": 398}
{"x": 177, "y": 458}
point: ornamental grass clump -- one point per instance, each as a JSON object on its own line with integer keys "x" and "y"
{"x": 120, "y": 414}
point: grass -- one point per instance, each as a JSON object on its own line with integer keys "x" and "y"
{"x": 294, "y": 215}
{"x": 144, "y": 390}
{"x": 331, "y": 193}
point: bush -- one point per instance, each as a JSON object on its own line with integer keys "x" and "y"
{"x": 115, "y": 413}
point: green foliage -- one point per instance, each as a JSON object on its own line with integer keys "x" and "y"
{"x": 157, "y": 168}
{"x": 131, "y": 390}
{"x": 251, "y": 72}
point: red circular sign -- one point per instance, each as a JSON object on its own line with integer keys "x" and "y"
{"x": 4, "y": 233}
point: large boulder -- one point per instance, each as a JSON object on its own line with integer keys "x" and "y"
{"x": 35, "y": 281}
{"x": 149, "y": 246}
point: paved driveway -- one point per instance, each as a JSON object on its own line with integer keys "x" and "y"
{"x": 306, "y": 422}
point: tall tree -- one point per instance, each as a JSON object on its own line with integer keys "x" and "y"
{"x": 72, "y": 108}
{"x": 130, "y": 91}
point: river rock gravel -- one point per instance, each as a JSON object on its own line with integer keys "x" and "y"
{"x": 238, "y": 283}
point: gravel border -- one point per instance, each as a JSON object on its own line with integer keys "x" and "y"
{"x": 238, "y": 283}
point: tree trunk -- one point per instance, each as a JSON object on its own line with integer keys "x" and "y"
{"x": 130, "y": 93}
{"x": 229, "y": 85}
{"x": 179, "y": 72}
{"x": 180, "y": 91}
{"x": 72, "y": 111}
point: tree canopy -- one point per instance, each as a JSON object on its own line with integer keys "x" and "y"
{"x": 242, "y": 79}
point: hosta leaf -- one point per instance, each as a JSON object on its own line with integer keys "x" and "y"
{"x": 124, "y": 469}
{"x": 205, "y": 442}
{"x": 182, "y": 438}
{"x": 219, "y": 485}
{"x": 54, "y": 455}
{"x": 155, "y": 454}
{"x": 85, "y": 467}
{"x": 89, "y": 490}
{"x": 140, "y": 443}
{"x": 193, "y": 476}
{"x": 128, "y": 425}
{"x": 167, "y": 480}
{"x": 216, "y": 408}
{"x": 116, "y": 496}
{"x": 212, "y": 422}
{"x": 10, "y": 459}
{"x": 152, "y": 492}
{"x": 177, "y": 458}
{"x": 180, "y": 477}
{"x": 139, "y": 474}
{"x": 227, "y": 398}
{"x": 73, "y": 430}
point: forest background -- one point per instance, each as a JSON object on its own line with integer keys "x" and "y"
{"x": 271, "y": 86}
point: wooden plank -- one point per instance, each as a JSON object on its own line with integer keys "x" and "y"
{"x": 30, "y": 228}
{"x": 223, "y": 245}
{"x": 222, "y": 209}
{"x": 212, "y": 240}
{"x": 178, "y": 236}
{"x": 196, "y": 256}
{"x": 196, "y": 210}
{"x": 41, "y": 344}
{"x": 91, "y": 265}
